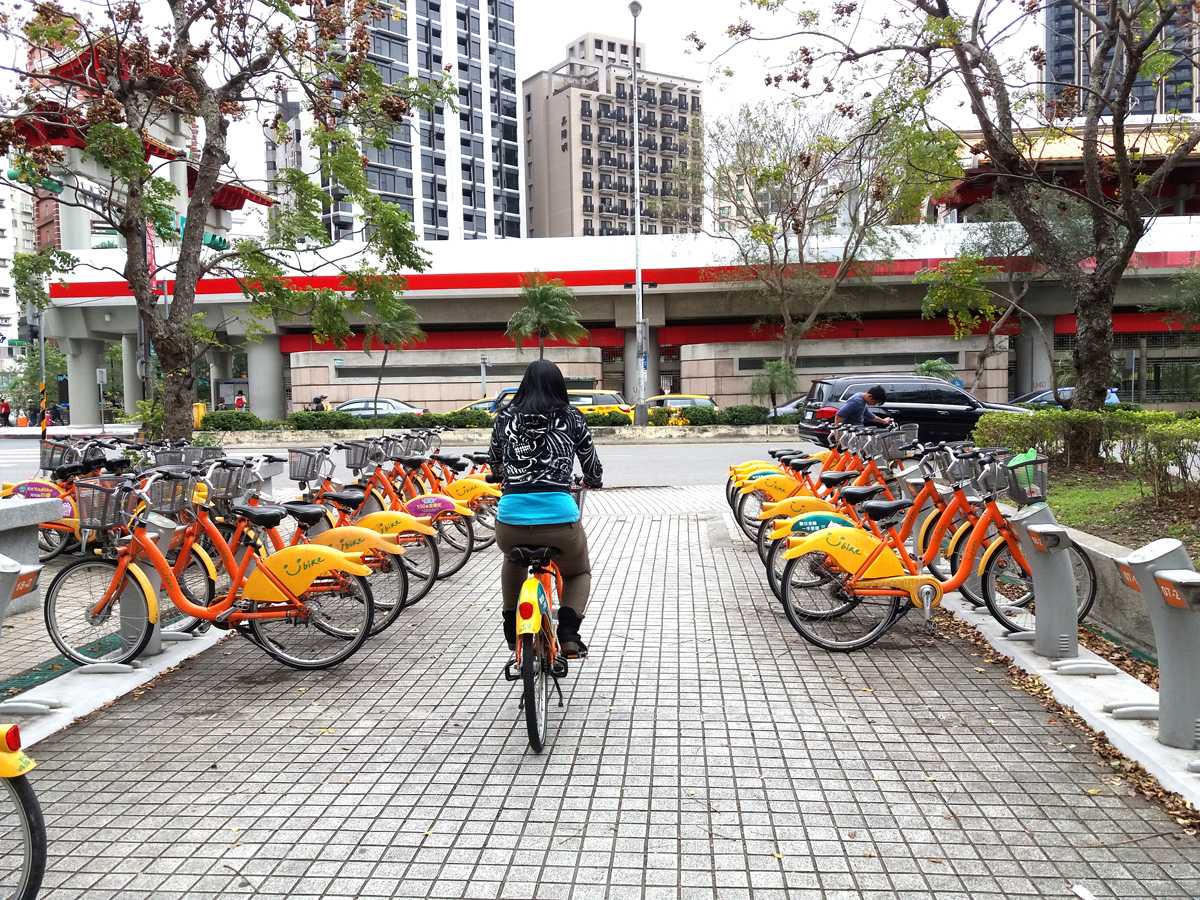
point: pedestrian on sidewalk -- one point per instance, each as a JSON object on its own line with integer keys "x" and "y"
{"x": 5, "y": 412}
{"x": 239, "y": 402}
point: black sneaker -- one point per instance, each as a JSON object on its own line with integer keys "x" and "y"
{"x": 569, "y": 641}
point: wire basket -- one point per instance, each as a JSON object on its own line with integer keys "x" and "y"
{"x": 1028, "y": 480}
{"x": 993, "y": 476}
{"x": 169, "y": 496}
{"x": 168, "y": 457}
{"x": 102, "y": 503}
{"x": 194, "y": 456}
{"x": 398, "y": 446}
{"x": 304, "y": 465}
{"x": 56, "y": 454}
{"x": 227, "y": 482}
{"x": 357, "y": 454}
{"x": 889, "y": 443}
{"x": 960, "y": 470}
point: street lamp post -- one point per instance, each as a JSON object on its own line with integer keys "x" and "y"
{"x": 639, "y": 415}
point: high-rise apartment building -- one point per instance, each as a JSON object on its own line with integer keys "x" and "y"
{"x": 457, "y": 175}
{"x": 579, "y": 144}
{"x": 1070, "y": 44}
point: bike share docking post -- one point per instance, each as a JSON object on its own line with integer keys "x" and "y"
{"x": 17, "y": 580}
{"x": 1164, "y": 575}
{"x": 1037, "y": 515}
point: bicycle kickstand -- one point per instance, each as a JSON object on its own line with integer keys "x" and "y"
{"x": 558, "y": 690}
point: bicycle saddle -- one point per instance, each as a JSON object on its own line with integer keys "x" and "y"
{"x": 266, "y": 516}
{"x": 532, "y": 556}
{"x": 781, "y": 451}
{"x": 480, "y": 458}
{"x": 412, "y": 462}
{"x": 859, "y": 493}
{"x": 801, "y": 464}
{"x": 347, "y": 497}
{"x": 67, "y": 472}
{"x": 883, "y": 509}
{"x": 833, "y": 479}
{"x": 447, "y": 458}
{"x": 305, "y": 513}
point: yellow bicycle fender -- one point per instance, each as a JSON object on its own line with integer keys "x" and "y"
{"x": 14, "y": 764}
{"x": 298, "y": 567}
{"x": 926, "y": 529}
{"x": 822, "y": 455}
{"x": 394, "y": 522}
{"x": 354, "y": 537}
{"x": 849, "y": 548}
{"x": 136, "y": 573}
{"x": 992, "y": 550}
{"x": 465, "y": 490}
{"x": 797, "y": 506}
{"x": 531, "y": 593}
{"x": 776, "y": 487}
{"x": 205, "y": 560}
{"x": 751, "y": 465}
{"x": 959, "y": 535}
{"x": 380, "y": 498}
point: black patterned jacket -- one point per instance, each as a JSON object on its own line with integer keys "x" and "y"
{"x": 535, "y": 452}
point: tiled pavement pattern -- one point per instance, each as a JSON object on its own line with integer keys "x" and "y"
{"x": 24, "y": 642}
{"x": 704, "y": 751}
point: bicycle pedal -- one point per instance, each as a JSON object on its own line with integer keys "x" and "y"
{"x": 560, "y": 667}
{"x": 509, "y": 674}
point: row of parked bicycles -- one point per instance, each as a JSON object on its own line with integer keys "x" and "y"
{"x": 855, "y": 536}
{"x": 184, "y": 539}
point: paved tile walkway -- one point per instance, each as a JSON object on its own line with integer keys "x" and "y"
{"x": 704, "y": 751}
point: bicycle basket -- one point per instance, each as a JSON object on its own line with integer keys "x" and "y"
{"x": 101, "y": 504}
{"x": 889, "y": 443}
{"x": 993, "y": 476}
{"x": 227, "y": 482}
{"x": 193, "y": 456}
{"x": 303, "y": 465}
{"x": 962, "y": 470}
{"x": 173, "y": 457}
{"x": 397, "y": 446}
{"x": 1028, "y": 478}
{"x": 169, "y": 496}
{"x": 55, "y": 454}
{"x": 357, "y": 453}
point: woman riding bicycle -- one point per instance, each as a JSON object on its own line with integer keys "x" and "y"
{"x": 534, "y": 444}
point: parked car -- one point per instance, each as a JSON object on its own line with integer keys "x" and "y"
{"x": 1046, "y": 398}
{"x": 588, "y": 402}
{"x": 675, "y": 401}
{"x": 384, "y": 406}
{"x": 941, "y": 411}
{"x": 791, "y": 408}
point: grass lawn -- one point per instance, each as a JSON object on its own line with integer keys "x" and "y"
{"x": 1109, "y": 504}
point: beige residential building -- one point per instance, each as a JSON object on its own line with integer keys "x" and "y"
{"x": 579, "y": 144}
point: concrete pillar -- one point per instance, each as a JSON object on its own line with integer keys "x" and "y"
{"x": 220, "y": 368}
{"x": 1033, "y": 368}
{"x": 84, "y": 357}
{"x": 131, "y": 382}
{"x": 264, "y": 365}
{"x": 631, "y": 364}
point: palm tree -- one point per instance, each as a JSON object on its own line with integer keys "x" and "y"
{"x": 548, "y": 311}
{"x": 777, "y": 377}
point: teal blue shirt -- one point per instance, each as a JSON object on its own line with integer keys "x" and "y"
{"x": 537, "y": 508}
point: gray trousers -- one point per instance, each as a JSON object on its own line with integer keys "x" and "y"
{"x": 571, "y": 542}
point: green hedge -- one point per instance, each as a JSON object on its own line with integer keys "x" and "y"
{"x": 1161, "y": 449}
{"x": 230, "y": 420}
{"x": 614, "y": 419}
{"x": 327, "y": 421}
{"x": 743, "y": 415}
{"x": 700, "y": 415}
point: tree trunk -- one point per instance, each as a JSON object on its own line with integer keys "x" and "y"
{"x": 379, "y": 380}
{"x": 541, "y": 346}
{"x": 774, "y": 401}
{"x": 1092, "y": 357}
{"x": 179, "y": 387}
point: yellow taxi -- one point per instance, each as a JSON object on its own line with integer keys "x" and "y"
{"x": 588, "y": 402}
{"x": 676, "y": 401}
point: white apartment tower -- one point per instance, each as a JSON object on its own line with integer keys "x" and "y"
{"x": 579, "y": 144}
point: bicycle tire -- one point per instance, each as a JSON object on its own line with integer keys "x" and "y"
{"x": 458, "y": 534}
{"x": 51, "y": 543}
{"x": 762, "y": 539}
{"x": 29, "y": 820}
{"x": 197, "y": 586}
{"x": 775, "y": 566}
{"x": 485, "y": 525}
{"x": 535, "y": 686}
{"x": 746, "y": 514}
{"x": 730, "y": 493}
{"x": 422, "y": 565}
{"x": 1004, "y": 610}
{"x": 391, "y": 584}
{"x": 940, "y": 567}
{"x": 971, "y": 589}
{"x": 342, "y": 641}
{"x": 65, "y": 605}
{"x": 836, "y": 628}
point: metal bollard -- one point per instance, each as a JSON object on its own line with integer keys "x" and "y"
{"x": 1056, "y": 627}
{"x": 1176, "y": 638}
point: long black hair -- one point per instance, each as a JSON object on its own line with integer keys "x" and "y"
{"x": 542, "y": 389}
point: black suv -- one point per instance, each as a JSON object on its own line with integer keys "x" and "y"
{"x": 942, "y": 411}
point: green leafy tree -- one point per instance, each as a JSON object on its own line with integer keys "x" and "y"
{"x": 113, "y": 77}
{"x": 1026, "y": 116}
{"x": 777, "y": 379}
{"x": 547, "y": 311}
{"x": 801, "y": 197}
{"x": 403, "y": 329}
{"x": 936, "y": 368}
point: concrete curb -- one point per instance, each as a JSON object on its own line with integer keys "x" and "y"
{"x": 82, "y": 693}
{"x": 665, "y": 434}
{"x": 1087, "y": 695}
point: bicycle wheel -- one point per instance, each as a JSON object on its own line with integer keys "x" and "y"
{"x": 484, "y": 524}
{"x": 337, "y": 619}
{"x": 535, "y": 682}
{"x": 422, "y": 559}
{"x": 731, "y": 495}
{"x": 762, "y": 537}
{"x": 972, "y": 588}
{"x": 940, "y": 567}
{"x": 118, "y": 633}
{"x": 1008, "y": 590}
{"x": 456, "y": 537}
{"x": 824, "y": 613}
{"x": 746, "y": 514}
{"x": 389, "y": 590}
{"x": 22, "y": 840}
{"x": 776, "y": 563}
{"x": 196, "y": 585}
{"x": 52, "y": 542}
